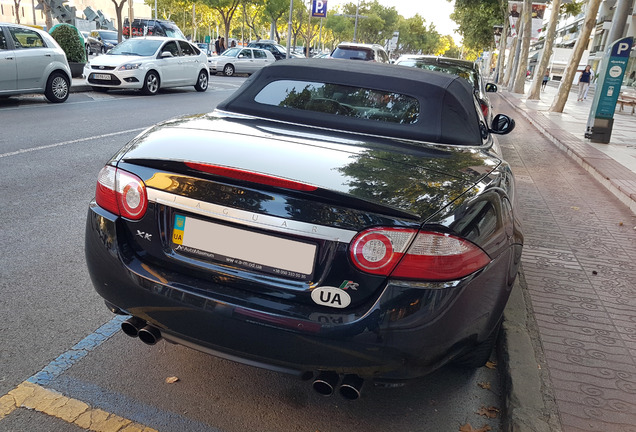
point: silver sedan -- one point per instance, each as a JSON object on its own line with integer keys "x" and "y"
{"x": 240, "y": 61}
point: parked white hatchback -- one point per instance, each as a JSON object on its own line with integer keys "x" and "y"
{"x": 240, "y": 61}
{"x": 149, "y": 63}
{"x": 32, "y": 62}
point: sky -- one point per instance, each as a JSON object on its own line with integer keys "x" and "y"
{"x": 433, "y": 11}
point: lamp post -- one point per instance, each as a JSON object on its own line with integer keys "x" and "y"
{"x": 289, "y": 27}
{"x": 355, "y": 27}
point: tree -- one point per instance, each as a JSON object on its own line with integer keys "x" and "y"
{"x": 566, "y": 83}
{"x": 120, "y": 22}
{"x": 274, "y": 10}
{"x": 415, "y": 36}
{"x": 448, "y": 47}
{"x": 340, "y": 27}
{"x": 520, "y": 78}
{"x": 476, "y": 19}
{"x": 378, "y": 24}
{"x": 548, "y": 42}
{"x": 225, "y": 10}
{"x": 252, "y": 12}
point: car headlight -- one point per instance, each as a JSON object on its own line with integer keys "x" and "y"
{"x": 129, "y": 66}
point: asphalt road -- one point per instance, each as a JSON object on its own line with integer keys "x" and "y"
{"x": 52, "y": 330}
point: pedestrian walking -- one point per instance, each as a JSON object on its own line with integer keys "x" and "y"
{"x": 584, "y": 82}
{"x": 546, "y": 78}
{"x": 222, "y": 45}
{"x": 217, "y": 45}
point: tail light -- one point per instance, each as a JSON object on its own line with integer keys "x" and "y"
{"x": 121, "y": 193}
{"x": 417, "y": 255}
{"x": 484, "y": 109}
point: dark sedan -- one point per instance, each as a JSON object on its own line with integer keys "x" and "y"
{"x": 315, "y": 225}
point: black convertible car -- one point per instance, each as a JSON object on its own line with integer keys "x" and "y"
{"x": 324, "y": 221}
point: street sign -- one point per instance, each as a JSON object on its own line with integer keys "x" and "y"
{"x": 608, "y": 88}
{"x": 319, "y": 9}
{"x": 393, "y": 42}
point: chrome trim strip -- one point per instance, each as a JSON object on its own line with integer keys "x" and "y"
{"x": 247, "y": 218}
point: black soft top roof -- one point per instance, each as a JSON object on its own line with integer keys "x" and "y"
{"x": 447, "y": 110}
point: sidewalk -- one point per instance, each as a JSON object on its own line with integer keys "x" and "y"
{"x": 569, "y": 336}
{"x": 613, "y": 164}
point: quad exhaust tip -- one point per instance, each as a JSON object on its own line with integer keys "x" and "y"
{"x": 136, "y": 327}
{"x": 132, "y": 326}
{"x": 351, "y": 387}
{"x": 149, "y": 335}
{"x": 327, "y": 381}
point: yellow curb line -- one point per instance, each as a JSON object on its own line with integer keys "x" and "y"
{"x": 32, "y": 396}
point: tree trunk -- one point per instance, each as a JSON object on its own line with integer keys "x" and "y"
{"x": 120, "y": 20}
{"x": 501, "y": 63}
{"x": 520, "y": 79}
{"x": 17, "y": 10}
{"x": 511, "y": 57}
{"x": 47, "y": 16}
{"x": 535, "y": 88}
{"x": 584, "y": 39}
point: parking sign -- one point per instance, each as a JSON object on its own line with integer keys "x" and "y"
{"x": 319, "y": 9}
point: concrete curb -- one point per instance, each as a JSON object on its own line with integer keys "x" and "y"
{"x": 525, "y": 390}
{"x": 78, "y": 85}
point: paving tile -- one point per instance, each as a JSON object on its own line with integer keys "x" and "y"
{"x": 579, "y": 261}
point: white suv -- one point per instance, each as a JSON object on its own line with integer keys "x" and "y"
{"x": 32, "y": 62}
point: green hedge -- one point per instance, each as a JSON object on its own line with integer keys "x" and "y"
{"x": 68, "y": 38}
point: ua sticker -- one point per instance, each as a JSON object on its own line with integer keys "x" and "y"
{"x": 331, "y": 296}
{"x": 177, "y": 230}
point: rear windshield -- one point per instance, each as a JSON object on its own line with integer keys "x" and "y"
{"x": 335, "y": 99}
{"x": 353, "y": 54}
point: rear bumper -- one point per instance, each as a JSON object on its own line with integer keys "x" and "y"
{"x": 406, "y": 332}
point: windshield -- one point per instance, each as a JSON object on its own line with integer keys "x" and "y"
{"x": 109, "y": 35}
{"x": 467, "y": 73}
{"x": 139, "y": 47}
{"x": 232, "y": 52}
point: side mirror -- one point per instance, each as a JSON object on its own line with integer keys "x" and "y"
{"x": 491, "y": 88}
{"x": 502, "y": 124}
{"x": 166, "y": 54}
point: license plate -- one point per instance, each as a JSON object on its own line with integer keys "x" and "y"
{"x": 101, "y": 77}
{"x": 243, "y": 248}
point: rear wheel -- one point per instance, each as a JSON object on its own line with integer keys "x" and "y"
{"x": 202, "y": 81}
{"x": 151, "y": 84}
{"x": 228, "y": 70}
{"x": 57, "y": 87}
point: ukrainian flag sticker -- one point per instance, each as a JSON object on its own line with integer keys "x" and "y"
{"x": 179, "y": 227}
